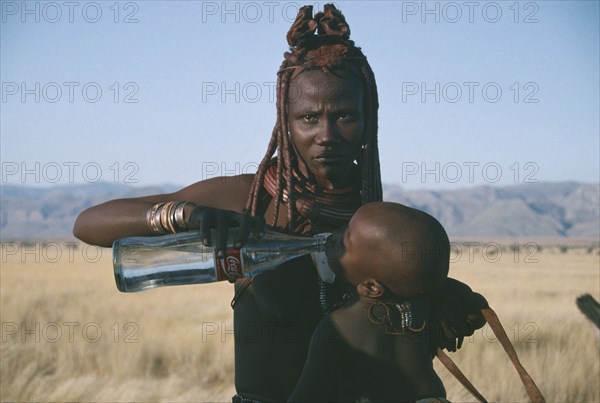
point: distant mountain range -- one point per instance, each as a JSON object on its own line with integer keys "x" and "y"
{"x": 564, "y": 209}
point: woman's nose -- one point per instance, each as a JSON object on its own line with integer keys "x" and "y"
{"x": 328, "y": 133}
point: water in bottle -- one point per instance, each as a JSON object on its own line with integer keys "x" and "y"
{"x": 141, "y": 263}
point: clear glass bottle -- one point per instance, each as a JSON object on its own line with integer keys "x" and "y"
{"x": 141, "y": 263}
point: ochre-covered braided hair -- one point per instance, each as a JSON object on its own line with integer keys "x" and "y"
{"x": 322, "y": 43}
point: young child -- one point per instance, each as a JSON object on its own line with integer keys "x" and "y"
{"x": 376, "y": 347}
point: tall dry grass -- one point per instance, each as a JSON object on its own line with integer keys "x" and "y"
{"x": 69, "y": 335}
{"x": 535, "y": 300}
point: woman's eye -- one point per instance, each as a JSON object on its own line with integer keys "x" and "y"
{"x": 309, "y": 118}
{"x": 346, "y": 117}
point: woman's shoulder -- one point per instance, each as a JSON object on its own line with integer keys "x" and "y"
{"x": 225, "y": 192}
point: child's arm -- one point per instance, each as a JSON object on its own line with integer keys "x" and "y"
{"x": 319, "y": 381}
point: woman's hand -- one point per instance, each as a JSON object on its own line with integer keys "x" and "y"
{"x": 206, "y": 219}
{"x": 456, "y": 313}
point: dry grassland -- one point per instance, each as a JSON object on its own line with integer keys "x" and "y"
{"x": 69, "y": 335}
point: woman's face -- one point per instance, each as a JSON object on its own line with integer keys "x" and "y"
{"x": 326, "y": 121}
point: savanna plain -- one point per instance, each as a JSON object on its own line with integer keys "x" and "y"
{"x": 69, "y": 335}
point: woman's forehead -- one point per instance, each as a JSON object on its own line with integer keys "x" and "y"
{"x": 314, "y": 79}
{"x": 317, "y": 85}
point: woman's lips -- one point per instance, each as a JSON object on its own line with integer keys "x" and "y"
{"x": 331, "y": 157}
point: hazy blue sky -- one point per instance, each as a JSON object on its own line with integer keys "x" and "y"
{"x": 471, "y": 92}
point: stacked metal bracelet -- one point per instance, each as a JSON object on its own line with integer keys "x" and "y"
{"x": 167, "y": 217}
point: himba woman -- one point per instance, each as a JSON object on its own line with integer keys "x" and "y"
{"x": 321, "y": 165}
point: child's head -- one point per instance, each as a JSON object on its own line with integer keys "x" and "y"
{"x": 391, "y": 248}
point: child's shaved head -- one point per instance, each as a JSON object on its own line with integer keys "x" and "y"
{"x": 394, "y": 248}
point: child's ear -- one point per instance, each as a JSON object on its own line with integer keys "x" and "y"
{"x": 370, "y": 289}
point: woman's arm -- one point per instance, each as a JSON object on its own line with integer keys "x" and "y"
{"x": 103, "y": 224}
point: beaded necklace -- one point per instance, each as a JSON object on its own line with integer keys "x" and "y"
{"x": 317, "y": 206}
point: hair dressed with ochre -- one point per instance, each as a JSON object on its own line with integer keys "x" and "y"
{"x": 321, "y": 43}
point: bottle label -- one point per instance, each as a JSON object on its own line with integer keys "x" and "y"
{"x": 230, "y": 267}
